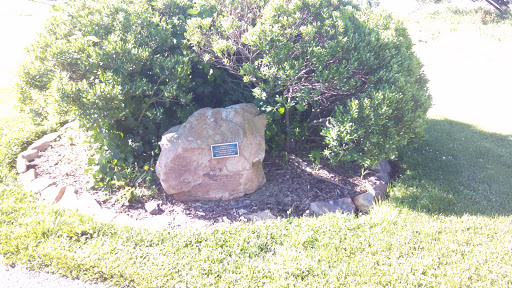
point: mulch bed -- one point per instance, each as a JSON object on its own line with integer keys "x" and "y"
{"x": 292, "y": 184}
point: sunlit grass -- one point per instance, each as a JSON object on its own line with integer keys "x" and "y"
{"x": 466, "y": 60}
{"x": 446, "y": 223}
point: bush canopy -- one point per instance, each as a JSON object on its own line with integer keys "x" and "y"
{"x": 329, "y": 74}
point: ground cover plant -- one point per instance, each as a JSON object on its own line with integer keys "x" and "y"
{"x": 447, "y": 222}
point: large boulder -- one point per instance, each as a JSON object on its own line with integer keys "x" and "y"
{"x": 186, "y": 167}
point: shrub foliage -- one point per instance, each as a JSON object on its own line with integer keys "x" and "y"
{"x": 340, "y": 75}
{"x": 123, "y": 69}
{"x": 326, "y": 72}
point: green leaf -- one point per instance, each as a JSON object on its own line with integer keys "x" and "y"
{"x": 92, "y": 38}
{"x": 192, "y": 11}
{"x": 281, "y": 110}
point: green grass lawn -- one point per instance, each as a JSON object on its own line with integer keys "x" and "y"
{"x": 446, "y": 223}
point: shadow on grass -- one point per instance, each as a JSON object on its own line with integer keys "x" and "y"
{"x": 457, "y": 169}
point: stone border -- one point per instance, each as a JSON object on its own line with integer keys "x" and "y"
{"x": 62, "y": 196}
{"x": 66, "y": 197}
{"x": 59, "y": 195}
{"x": 376, "y": 187}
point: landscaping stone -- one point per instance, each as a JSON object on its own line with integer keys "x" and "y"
{"x": 260, "y": 216}
{"x": 27, "y": 177}
{"x": 383, "y": 177}
{"x": 53, "y": 194}
{"x": 40, "y": 184}
{"x": 43, "y": 143}
{"x": 345, "y": 204}
{"x": 186, "y": 167}
{"x": 153, "y": 208}
{"x": 88, "y": 205}
{"x": 69, "y": 199}
{"x": 321, "y": 208}
{"x": 382, "y": 167}
{"x": 364, "y": 201}
{"x": 21, "y": 165}
{"x": 377, "y": 187}
{"x": 29, "y": 155}
{"x": 383, "y": 170}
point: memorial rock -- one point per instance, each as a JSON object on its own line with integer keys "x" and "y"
{"x": 190, "y": 169}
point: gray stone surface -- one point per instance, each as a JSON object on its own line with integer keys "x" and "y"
{"x": 40, "y": 184}
{"x": 53, "y": 193}
{"x": 29, "y": 155}
{"x": 43, "y": 143}
{"x": 383, "y": 170}
{"x": 27, "y": 177}
{"x": 260, "y": 216}
{"x": 364, "y": 201}
{"x": 321, "y": 208}
{"x": 345, "y": 204}
{"x": 377, "y": 187}
{"x": 88, "y": 205}
{"x": 69, "y": 199}
{"x": 21, "y": 165}
{"x": 186, "y": 167}
{"x": 382, "y": 167}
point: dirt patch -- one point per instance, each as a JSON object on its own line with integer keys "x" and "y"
{"x": 292, "y": 184}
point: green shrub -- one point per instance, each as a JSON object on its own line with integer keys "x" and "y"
{"x": 327, "y": 73}
{"x": 124, "y": 70}
{"x": 323, "y": 70}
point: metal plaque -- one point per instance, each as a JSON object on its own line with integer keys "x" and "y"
{"x": 225, "y": 150}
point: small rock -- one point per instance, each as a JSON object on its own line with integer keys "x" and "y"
{"x": 39, "y": 184}
{"x": 69, "y": 199}
{"x": 241, "y": 211}
{"x": 377, "y": 187}
{"x": 153, "y": 208}
{"x": 345, "y": 204}
{"x": 383, "y": 177}
{"x": 321, "y": 208}
{"x": 364, "y": 201}
{"x": 53, "y": 194}
{"x": 88, "y": 205}
{"x": 382, "y": 167}
{"x": 40, "y": 145}
{"x": 260, "y": 216}
{"x": 29, "y": 155}
{"x": 85, "y": 203}
{"x": 43, "y": 143}
{"x": 21, "y": 165}
{"x": 27, "y": 177}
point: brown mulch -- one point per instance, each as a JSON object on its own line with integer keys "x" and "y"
{"x": 292, "y": 184}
